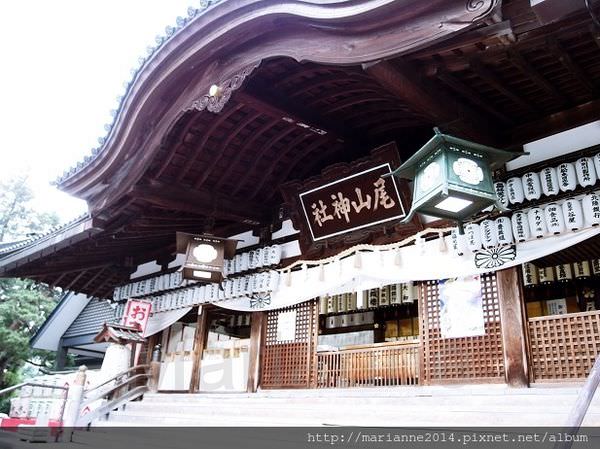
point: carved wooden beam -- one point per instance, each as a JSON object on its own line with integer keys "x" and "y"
{"x": 423, "y": 96}
{"x": 202, "y": 202}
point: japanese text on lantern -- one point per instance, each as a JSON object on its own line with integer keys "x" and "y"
{"x": 137, "y": 314}
{"x": 352, "y": 203}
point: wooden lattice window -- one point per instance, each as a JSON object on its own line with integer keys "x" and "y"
{"x": 447, "y": 360}
{"x": 291, "y": 362}
{"x": 564, "y": 346}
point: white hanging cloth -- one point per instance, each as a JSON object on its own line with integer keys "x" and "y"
{"x": 377, "y": 268}
{"x": 161, "y": 320}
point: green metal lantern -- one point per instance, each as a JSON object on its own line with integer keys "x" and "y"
{"x": 453, "y": 177}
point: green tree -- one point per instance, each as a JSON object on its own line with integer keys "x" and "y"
{"x": 17, "y": 218}
{"x": 24, "y": 304}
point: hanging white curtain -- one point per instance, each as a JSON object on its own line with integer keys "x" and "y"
{"x": 161, "y": 320}
{"x": 344, "y": 276}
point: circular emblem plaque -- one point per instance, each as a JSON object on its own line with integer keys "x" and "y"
{"x": 430, "y": 176}
{"x": 204, "y": 253}
{"x": 468, "y": 171}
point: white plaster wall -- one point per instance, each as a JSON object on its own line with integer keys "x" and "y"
{"x": 558, "y": 144}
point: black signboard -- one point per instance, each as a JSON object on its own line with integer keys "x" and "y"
{"x": 357, "y": 201}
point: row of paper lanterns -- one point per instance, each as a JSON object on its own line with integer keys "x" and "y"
{"x": 239, "y": 287}
{"x": 405, "y": 293}
{"x": 550, "y": 181}
{"x": 533, "y": 275}
{"x": 151, "y": 285}
{"x": 538, "y": 222}
{"x": 252, "y": 260}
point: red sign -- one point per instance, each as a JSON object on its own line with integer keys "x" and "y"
{"x": 351, "y": 203}
{"x": 137, "y": 313}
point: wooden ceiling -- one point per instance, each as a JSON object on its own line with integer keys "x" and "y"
{"x": 505, "y": 82}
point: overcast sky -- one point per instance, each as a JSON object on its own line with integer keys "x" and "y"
{"x": 64, "y": 63}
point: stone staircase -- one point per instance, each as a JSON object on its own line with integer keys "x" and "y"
{"x": 436, "y": 406}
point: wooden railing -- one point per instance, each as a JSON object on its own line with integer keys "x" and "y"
{"x": 564, "y": 346}
{"x": 383, "y": 364}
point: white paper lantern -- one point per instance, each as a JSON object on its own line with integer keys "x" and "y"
{"x": 573, "y": 214}
{"x": 410, "y": 292}
{"x": 244, "y": 262}
{"x": 591, "y": 208}
{"x": 530, "y": 274}
{"x": 555, "y": 221}
{"x": 259, "y": 257}
{"x": 537, "y": 222}
{"x": 586, "y": 173}
{"x": 549, "y": 181}
{"x": 582, "y": 269}
{"x": 458, "y": 242}
{"x": 567, "y": 178}
{"x": 596, "y": 162}
{"x": 531, "y": 186}
{"x": 275, "y": 254}
{"x": 395, "y": 293}
{"x": 473, "y": 236}
{"x": 596, "y": 267}
{"x": 489, "y": 238}
{"x": 546, "y": 275}
{"x": 564, "y": 272}
{"x": 514, "y": 188}
{"x": 504, "y": 232}
{"x": 501, "y": 193}
{"x": 520, "y": 226}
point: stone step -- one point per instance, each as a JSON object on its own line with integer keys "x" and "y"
{"x": 517, "y": 400}
{"x": 342, "y": 418}
{"x": 241, "y": 407}
{"x": 387, "y": 392}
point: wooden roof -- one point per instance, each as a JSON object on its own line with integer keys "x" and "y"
{"x": 168, "y": 166}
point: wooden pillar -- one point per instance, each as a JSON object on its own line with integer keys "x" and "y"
{"x": 514, "y": 338}
{"x": 202, "y": 328}
{"x": 257, "y": 332}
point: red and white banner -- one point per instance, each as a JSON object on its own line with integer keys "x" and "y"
{"x": 137, "y": 313}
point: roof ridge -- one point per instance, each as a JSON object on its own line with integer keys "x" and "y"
{"x": 160, "y": 41}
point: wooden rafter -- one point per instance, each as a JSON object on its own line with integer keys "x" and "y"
{"x": 94, "y": 277}
{"x": 468, "y": 93}
{"x": 299, "y": 156}
{"x": 528, "y": 70}
{"x": 208, "y": 170}
{"x": 202, "y": 202}
{"x": 75, "y": 279}
{"x": 279, "y": 106}
{"x": 198, "y": 147}
{"x": 292, "y": 147}
{"x": 560, "y": 121}
{"x": 486, "y": 74}
{"x": 266, "y": 147}
{"x": 421, "y": 95}
{"x": 574, "y": 69}
{"x": 244, "y": 150}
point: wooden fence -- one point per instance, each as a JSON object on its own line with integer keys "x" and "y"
{"x": 379, "y": 365}
{"x": 564, "y": 346}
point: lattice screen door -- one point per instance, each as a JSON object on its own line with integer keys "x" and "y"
{"x": 290, "y": 351}
{"x": 448, "y": 360}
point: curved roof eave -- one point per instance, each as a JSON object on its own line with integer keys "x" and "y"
{"x": 212, "y": 45}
